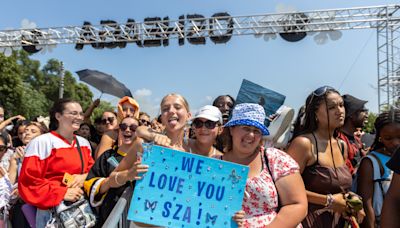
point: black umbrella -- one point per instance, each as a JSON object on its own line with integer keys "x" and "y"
{"x": 104, "y": 82}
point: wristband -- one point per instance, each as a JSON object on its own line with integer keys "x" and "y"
{"x": 116, "y": 179}
{"x": 329, "y": 200}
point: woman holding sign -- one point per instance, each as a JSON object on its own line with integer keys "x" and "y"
{"x": 103, "y": 190}
{"x": 273, "y": 175}
{"x": 127, "y": 107}
{"x": 174, "y": 115}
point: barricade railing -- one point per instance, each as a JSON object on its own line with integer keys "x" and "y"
{"x": 119, "y": 214}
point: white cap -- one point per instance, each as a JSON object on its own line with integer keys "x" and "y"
{"x": 209, "y": 112}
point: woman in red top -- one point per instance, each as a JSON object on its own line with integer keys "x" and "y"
{"x": 50, "y": 156}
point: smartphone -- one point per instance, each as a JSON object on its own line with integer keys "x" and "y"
{"x": 113, "y": 161}
{"x": 68, "y": 178}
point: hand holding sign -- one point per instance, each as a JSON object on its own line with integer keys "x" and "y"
{"x": 239, "y": 217}
{"x": 187, "y": 190}
{"x": 162, "y": 140}
{"x": 137, "y": 169}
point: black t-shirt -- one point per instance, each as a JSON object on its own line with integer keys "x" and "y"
{"x": 394, "y": 162}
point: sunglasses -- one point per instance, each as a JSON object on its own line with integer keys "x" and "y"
{"x": 208, "y": 124}
{"x": 321, "y": 91}
{"x": 144, "y": 122}
{"x": 3, "y": 148}
{"x": 109, "y": 119}
{"x": 124, "y": 126}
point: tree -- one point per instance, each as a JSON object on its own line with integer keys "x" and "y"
{"x": 98, "y": 112}
{"x": 369, "y": 127}
{"x": 76, "y": 91}
{"x": 27, "y": 90}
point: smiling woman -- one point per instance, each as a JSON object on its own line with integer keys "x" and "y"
{"x": 103, "y": 190}
{"x": 52, "y": 155}
{"x": 273, "y": 175}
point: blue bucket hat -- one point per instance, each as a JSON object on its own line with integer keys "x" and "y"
{"x": 250, "y": 115}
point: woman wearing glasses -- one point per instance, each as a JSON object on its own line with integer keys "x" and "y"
{"x": 207, "y": 126}
{"x": 127, "y": 107}
{"x": 174, "y": 116}
{"x": 50, "y": 156}
{"x": 103, "y": 190}
{"x": 109, "y": 121}
{"x": 144, "y": 119}
{"x": 320, "y": 155}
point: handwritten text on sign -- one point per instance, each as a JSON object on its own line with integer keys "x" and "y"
{"x": 186, "y": 190}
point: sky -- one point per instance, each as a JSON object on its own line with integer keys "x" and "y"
{"x": 202, "y": 72}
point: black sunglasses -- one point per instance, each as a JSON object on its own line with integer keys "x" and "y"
{"x": 109, "y": 119}
{"x": 321, "y": 91}
{"x": 3, "y": 148}
{"x": 208, "y": 124}
{"x": 124, "y": 126}
{"x": 144, "y": 122}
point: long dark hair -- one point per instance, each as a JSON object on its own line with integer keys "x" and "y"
{"x": 308, "y": 122}
{"x": 385, "y": 118}
{"x": 58, "y": 107}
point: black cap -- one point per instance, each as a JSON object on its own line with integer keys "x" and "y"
{"x": 353, "y": 104}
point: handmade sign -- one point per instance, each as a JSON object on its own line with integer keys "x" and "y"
{"x": 250, "y": 92}
{"x": 187, "y": 190}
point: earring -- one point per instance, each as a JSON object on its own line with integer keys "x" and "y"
{"x": 379, "y": 139}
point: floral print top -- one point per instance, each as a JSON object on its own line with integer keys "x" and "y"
{"x": 260, "y": 201}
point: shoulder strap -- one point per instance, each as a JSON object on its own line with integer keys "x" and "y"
{"x": 378, "y": 174}
{"x": 316, "y": 146}
{"x": 80, "y": 153}
{"x": 341, "y": 142}
{"x": 381, "y": 169}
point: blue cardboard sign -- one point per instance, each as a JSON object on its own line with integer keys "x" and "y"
{"x": 187, "y": 190}
{"x": 250, "y": 92}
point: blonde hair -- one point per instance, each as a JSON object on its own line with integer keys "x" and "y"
{"x": 184, "y": 101}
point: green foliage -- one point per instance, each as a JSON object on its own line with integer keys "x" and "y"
{"x": 369, "y": 127}
{"x": 11, "y": 86}
{"x": 98, "y": 112}
{"x": 29, "y": 90}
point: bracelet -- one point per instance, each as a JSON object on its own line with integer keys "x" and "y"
{"x": 329, "y": 200}
{"x": 116, "y": 179}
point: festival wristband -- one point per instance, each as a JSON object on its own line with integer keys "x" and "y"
{"x": 329, "y": 200}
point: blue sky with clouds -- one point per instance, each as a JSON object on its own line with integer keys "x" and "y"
{"x": 202, "y": 72}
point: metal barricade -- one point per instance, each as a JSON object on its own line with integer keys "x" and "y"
{"x": 119, "y": 214}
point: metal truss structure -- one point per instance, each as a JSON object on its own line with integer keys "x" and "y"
{"x": 291, "y": 26}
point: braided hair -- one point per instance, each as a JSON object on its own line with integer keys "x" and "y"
{"x": 385, "y": 118}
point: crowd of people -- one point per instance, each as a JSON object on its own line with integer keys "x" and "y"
{"x": 324, "y": 176}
